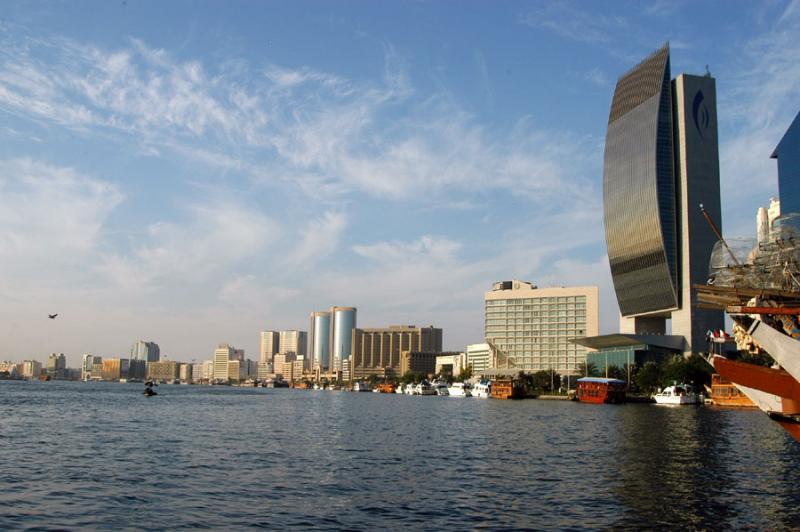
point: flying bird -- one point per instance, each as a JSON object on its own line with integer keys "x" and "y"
{"x": 52, "y": 316}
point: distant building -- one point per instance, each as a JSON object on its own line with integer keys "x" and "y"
{"x": 11, "y": 368}
{"x": 451, "y": 364}
{"x": 236, "y": 370}
{"x": 343, "y": 321}
{"x": 115, "y": 369}
{"x": 147, "y": 351}
{"x": 788, "y": 155}
{"x": 31, "y": 369}
{"x": 293, "y": 342}
{"x": 281, "y": 360}
{"x": 319, "y": 340}
{"x": 91, "y": 367}
{"x": 531, "y": 327}
{"x": 479, "y": 357}
{"x": 376, "y": 351}
{"x": 421, "y": 361}
{"x": 163, "y": 370}
{"x": 185, "y": 372}
{"x": 269, "y": 344}
{"x": 203, "y": 371}
{"x": 137, "y": 369}
{"x": 56, "y": 365}
{"x": 222, "y": 355}
{"x": 238, "y": 354}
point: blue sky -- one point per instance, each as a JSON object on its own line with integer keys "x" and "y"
{"x": 194, "y": 172}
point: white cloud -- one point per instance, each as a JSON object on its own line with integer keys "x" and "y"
{"x": 318, "y": 239}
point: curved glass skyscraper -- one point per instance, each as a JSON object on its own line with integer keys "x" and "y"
{"x": 343, "y": 321}
{"x": 661, "y": 163}
{"x": 320, "y": 339}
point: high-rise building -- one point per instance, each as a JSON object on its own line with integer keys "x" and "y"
{"x": 31, "y": 369}
{"x": 222, "y": 355}
{"x": 376, "y": 351}
{"x": 788, "y": 155}
{"x": 56, "y": 365}
{"x": 115, "y": 369}
{"x": 661, "y": 165}
{"x": 293, "y": 342}
{"x": 343, "y": 321}
{"x": 319, "y": 339}
{"x": 147, "y": 351}
{"x": 269, "y": 344}
{"x": 530, "y": 328}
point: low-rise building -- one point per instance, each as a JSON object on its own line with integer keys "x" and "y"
{"x": 166, "y": 370}
{"x": 56, "y": 364}
{"x": 479, "y": 357}
{"x": 114, "y": 369}
{"x": 421, "y": 361}
{"x": 185, "y": 372}
{"x": 451, "y": 364}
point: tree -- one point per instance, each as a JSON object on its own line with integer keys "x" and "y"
{"x": 648, "y": 377}
{"x": 586, "y": 369}
{"x": 616, "y": 372}
{"x": 465, "y": 375}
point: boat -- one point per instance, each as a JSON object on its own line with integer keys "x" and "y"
{"x": 424, "y": 388}
{"x": 723, "y": 392}
{"x": 400, "y": 389}
{"x": 386, "y": 387}
{"x": 440, "y": 388}
{"x": 482, "y": 390}
{"x": 459, "y": 389}
{"x": 361, "y": 386}
{"x": 409, "y": 389}
{"x": 678, "y": 394}
{"x": 600, "y": 390}
{"x": 507, "y": 389}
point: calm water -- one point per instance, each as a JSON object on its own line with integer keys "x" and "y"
{"x": 80, "y": 455}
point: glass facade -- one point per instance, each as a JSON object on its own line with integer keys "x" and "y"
{"x": 343, "y": 321}
{"x": 639, "y": 190}
{"x": 535, "y": 331}
{"x": 788, "y": 155}
{"x": 320, "y": 330}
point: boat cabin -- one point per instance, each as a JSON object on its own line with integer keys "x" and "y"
{"x": 601, "y": 390}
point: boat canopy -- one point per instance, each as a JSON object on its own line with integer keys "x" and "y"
{"x": 601, "y": 380}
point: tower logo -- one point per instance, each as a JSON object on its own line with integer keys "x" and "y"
{"x": 700, "y": 114}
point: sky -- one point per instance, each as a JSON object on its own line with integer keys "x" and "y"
{"x": 195, "y": 172}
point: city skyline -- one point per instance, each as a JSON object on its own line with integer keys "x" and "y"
{"x": 200, "y": 180}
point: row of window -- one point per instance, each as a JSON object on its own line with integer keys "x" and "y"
{"x": 536, "y": 300}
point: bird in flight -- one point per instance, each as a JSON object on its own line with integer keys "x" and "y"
{"x": 52, "y": 316}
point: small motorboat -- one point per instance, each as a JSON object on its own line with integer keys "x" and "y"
{"x": 148, "y": 389}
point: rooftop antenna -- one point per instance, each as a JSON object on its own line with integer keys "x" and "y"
{"x": 708, "y": 72}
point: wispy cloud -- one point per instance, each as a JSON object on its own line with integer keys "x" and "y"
{"x": 574, "y": 22}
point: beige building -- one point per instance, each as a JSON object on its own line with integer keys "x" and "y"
{"x": 269, "y": 344}
{"x": 185, "y": 372}
{"x": 421, "y": 361}
{"x": 282, "y": 360}
{"x": 479, "y": 356}
{"x": 451, "y": 364}
{"x": 222, "y": 354}
{"x": 293, "y": 343}
{"x": 529, "y": 328}
{"x": 292, "y": 371}
{"x": 163, "y": 370}
{"x": 378, "y": 351}
{"x": 31, "y": 369}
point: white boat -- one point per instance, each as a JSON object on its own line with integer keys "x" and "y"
{"x": 482, "y": 390}
{"x": 400, "y": 389}
{"x": 679, "y": 394}
{"x": 440, "y": 388}
{"x": 459, "y": 389}
{"x": 424, "y": 388}
{"x": 361, "y": 387}
{"x": 409, "y": 389}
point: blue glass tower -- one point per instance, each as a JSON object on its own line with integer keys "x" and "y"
{"x": 788, "y": 155}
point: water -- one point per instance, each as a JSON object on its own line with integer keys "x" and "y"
{"x": 82, "y": 455}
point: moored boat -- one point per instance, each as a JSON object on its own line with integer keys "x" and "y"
{"x": 482, "y": 390}
{"x": 600, "y": 390}
{"x": 677, "y": 394}
{"x": 507, "y": 389}
{"x": 459, "y": 389}
{"x": 723, "y": 392}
